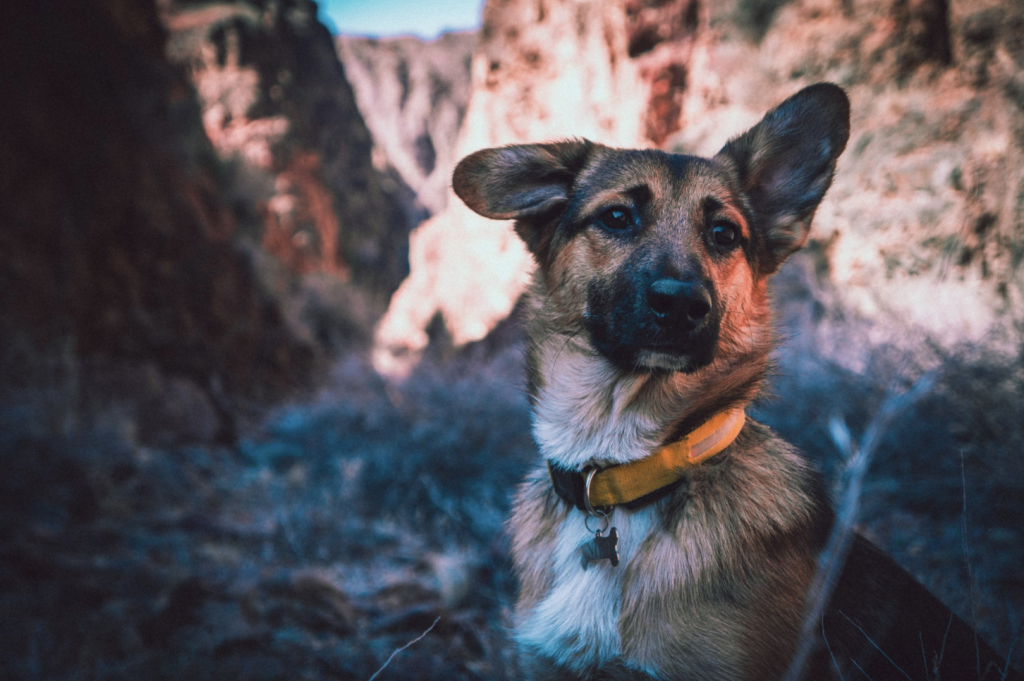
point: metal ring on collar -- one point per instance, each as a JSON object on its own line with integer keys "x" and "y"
{"x": 597, "y": 513}
{"x": 602, "y": 519}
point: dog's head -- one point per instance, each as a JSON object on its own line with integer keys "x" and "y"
{"x": 657, "y": 257}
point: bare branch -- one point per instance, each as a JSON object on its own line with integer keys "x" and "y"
{"x": 1009, "y": 657}
{"x": 872, "y": 642}
{"x": 833, "y": 557}
{"x": 415, "y": 640}
{"x": 967, "y": 562}
{"x": 924, "y": 655}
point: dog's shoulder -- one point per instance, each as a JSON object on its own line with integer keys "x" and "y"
{"x": 882, "y": 620}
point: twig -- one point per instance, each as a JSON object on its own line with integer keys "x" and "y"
{"x": 1009, "y": 656}
{"x": 861, "y": 670}
{"x": 872, "y": 642}
{"x": 415, "y": 640}
{"x": 829, "y": 646}
{"x": 833, "y": 557}
{"x": 942, "y": 651}
{"x": 924, "y": 655}
{"x": 967, "y": 562}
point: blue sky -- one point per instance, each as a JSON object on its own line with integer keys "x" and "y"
{"x": 425, "y": 18}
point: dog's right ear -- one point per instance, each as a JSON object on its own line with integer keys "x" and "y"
{"x": 520, "y": 182}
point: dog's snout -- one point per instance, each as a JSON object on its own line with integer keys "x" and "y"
{"x": 675, "y": 301}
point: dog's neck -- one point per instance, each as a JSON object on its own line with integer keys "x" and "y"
{"x": 586, "y": 411}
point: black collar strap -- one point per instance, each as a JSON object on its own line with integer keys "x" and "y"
{"x": 569, "y": 485}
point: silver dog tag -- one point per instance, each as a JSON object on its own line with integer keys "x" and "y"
{"x": 600, "y": 548}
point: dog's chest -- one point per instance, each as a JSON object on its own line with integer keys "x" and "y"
{"x": 577, "y": 623}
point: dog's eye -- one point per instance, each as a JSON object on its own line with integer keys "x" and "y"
{"x": 725, "y": 233}
{"x": 616, "y": 218}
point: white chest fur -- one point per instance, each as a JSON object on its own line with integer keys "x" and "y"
{"x": 577, "y": 623}
{"x": 585, "y": 414}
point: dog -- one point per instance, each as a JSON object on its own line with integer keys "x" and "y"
{"x": 668, "y": 535}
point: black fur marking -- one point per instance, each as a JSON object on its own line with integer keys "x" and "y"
{"x": 641, "y": 196}
{"x": 621, "y": 325}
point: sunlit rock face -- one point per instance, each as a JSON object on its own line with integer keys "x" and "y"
{"x": 613, "y": 72}
{"x": 920, "y": 236}
{"x": 279, "y": 111}
{"x": 412, "y": 94}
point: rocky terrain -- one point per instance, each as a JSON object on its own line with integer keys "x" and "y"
{"x": 121, "y": 257}
{"x": 203, "y": 215}
{"x": 189, "y": 196}
{"x": 922, "y": 229}
{"x": 541, "y": 71}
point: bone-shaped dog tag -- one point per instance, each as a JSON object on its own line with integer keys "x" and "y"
{"x": 600, "y": 548}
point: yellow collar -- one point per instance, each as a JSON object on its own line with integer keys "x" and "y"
{"x": 628, "y": 482}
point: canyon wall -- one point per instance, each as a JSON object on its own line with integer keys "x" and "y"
{"x": 186, "y": 187}
{"x": 116, "y": 239}
{"x": 413, "y": 95}
{"x": 280, "y": 112}
{"x": 921, "y": 232}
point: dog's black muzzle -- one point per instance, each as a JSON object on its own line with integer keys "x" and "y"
{"x": 672, "y": 316}
{"x": 679, "y": 305}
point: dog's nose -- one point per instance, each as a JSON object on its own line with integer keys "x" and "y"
{"x": 678, "y": 302}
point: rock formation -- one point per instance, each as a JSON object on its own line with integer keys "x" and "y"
{"x": 277, "y": 107}
{"x": 923, "y": 226}
{"x": 116, "y": 239}
{"x": 921, "y": 231}
{"x": 184, "y": 188}
{"x": 413, "y": 95}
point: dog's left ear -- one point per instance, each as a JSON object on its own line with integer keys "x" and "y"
{"x": 785, "y": 164}
{"x": 521, "y": 182}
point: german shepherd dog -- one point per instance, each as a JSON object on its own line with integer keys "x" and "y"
{"x": 669, "y": 536}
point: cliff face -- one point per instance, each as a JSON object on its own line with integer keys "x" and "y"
{"x": 413, "y": 95}
{"x": 186, "y": 190}
{"x": 923, "y": 226}
{"x": 920, "y": 234}
{"x": 277, "y": 107}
